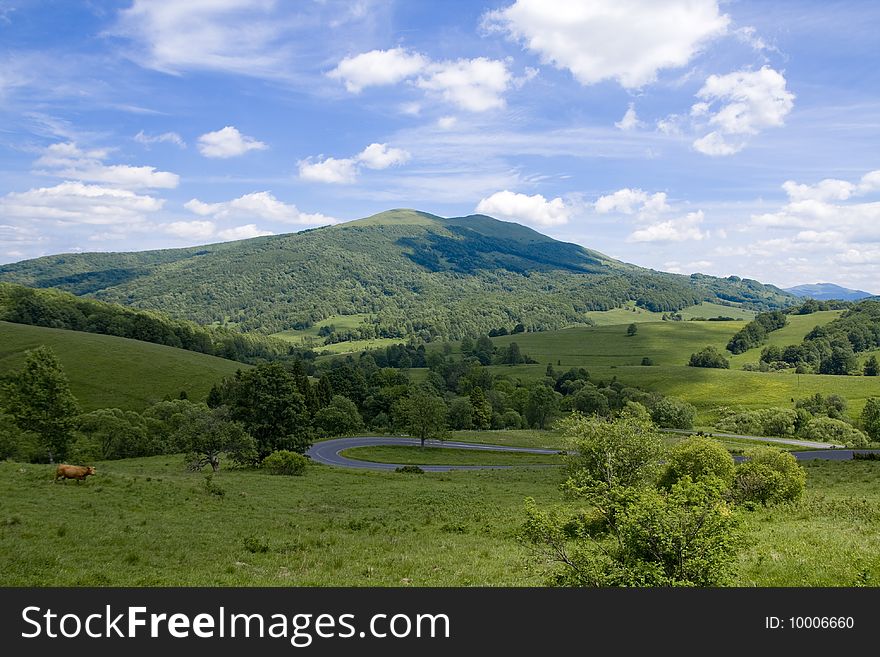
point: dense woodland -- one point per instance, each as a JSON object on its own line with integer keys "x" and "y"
{"x": 412, "y": 274}
{"x": 832, "y": 348}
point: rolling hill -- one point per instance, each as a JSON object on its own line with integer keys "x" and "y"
{"x": 108, "y": 371}
{"x": 407, "y": 273}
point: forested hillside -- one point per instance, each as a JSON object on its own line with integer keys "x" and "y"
{"x": 410, "y": 273}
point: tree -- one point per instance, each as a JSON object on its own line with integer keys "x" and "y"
{"x": 339, "y": 418}
{"x": 540, "y": 405}
{"x": 672, "y": 413}
{"x": 709, "y": 357}
{"x": 39, "y": 400}
{"x": 872, "y": 367}
{"x": 266, "y": 401}
{"x": 422, "y": 415}
{"x": 631, "y": 330}
{"x": 829, "y": 430}
{"x": 461, "y": 414}
{"x": 871, "y": 418}
{"x": 512, "y": 355}
{"x": 590, "y": 401}
{"x": 207, "y": 434}
{"x": 621, "y": 452}
{"x": 482, "y": 409}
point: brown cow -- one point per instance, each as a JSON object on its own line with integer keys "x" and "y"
{"x": 78, "y": 472}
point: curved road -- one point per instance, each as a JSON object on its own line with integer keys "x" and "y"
{"x": 328, "y": 452}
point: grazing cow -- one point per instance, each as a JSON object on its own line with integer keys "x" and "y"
{"x": 78, "y": 472}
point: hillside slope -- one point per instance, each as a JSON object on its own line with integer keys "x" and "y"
{"x": 107, "y": 371}
{"x": 410, "y": 273}
{"x": 827, "y": 292}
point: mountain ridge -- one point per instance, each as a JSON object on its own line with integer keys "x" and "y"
{"x": 410, "y": 273}
{"x": 827, "y": 292}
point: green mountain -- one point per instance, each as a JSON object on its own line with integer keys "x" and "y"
{"x": 405, "y": 272}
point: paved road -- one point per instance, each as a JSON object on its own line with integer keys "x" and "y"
{"x": 769, "y": 439}
{"x": 327, "y": 452}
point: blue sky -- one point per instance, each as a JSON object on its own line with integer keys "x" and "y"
{"x": 684, "y": 135}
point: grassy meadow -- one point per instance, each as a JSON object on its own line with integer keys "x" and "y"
{"x": 107, "y": 371}
{"x": 149, "y": 522}
{"x": 408, "y": 455}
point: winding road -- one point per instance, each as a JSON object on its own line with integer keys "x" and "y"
{"x": 328, "y": 453}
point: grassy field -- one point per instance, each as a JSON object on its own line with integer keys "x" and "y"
{"x": 407, "y": 455}
{"x": 106, "y": 371}
{"x": 792, "y": 333}
{"x": 309, "y": 337}
{"x": 149, "y": 522}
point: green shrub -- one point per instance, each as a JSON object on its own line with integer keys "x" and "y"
{"x": 256, "y": 544}
{"x": 770, "y": 476}
{"x": 709, "y": 357}
{"x": 762, "y": 422}
{"x": 409, "y": 469}
{"x": 829, "y": 430}
{"x": 698, "y": 458}
{"x": 284, "y": 462}
{"x": 672, "y": 413}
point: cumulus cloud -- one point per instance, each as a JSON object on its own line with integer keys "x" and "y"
{"x": 630, "y": 201}
{"x": 535, "y": 210}
{"x": 67, "y": 160}
{"x": 77, "y": 203}
{"x": 228, "y": 142}
{"x": 165, "y": 137}
{"x": 681, "y": 229}
{"x": 475, "y": 85}
{"x": 345, "y": 170}
{"x": 191, "y": 230}
{"x": 380, "y": 156}
{"x": 629, "y": 41}
{"x": 378, "y": 68}
{"x": 261, "y": 205}
{"x": 738, "y": 105}
{"x": 630, "y": 120}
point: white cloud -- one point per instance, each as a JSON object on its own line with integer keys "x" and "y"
{"x": 630, "y": 120}
{"x": 829, "y": 189}
{"x": 165, "y": 137}
{"x": 378, "y": 68}
{"x": 242, "y": 232}
{"x": 77, "y": 203}
{"x": 625, "y": 40}
{"x": 228, "y": 142}
{"x": 446, "y": 122}
{"x": 534, "y": 210}
{"x": 715, "y": 144}
{"x": 329, "y": 170}
{"x": 261, "y": 205}
{"x": 475, "y": 85}
{"x": 67, "y": 160}
{"x": 380, "y": 156}
{"x": 740, "y": 104}
{"x": 191, "y": 230}
{"x": 629, "y": 201}
{"x": 239, "y": 36}
{"x": 345, "y": 170}
{"x": 674, "y": 230}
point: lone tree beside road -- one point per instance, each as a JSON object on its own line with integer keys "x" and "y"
{"x": 422, "y": 415}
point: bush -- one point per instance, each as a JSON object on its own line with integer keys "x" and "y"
{"x": 284, "y": 462}
{"x": 256, "y": 544}
{"x": 762, "y": 422}
{"x": 672, "y": 413}
{"x": 871, "y": 418}
{"x": 409, "y": 469}
{"x": 770, "y": 476}
{"x": 647, "y": 362}
{"x": 511, "y": 420}
{"x": 698, "y": 458}
{"x": 829, "y": 430}
{"x": 709, "y": 357}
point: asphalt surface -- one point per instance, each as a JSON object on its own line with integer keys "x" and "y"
{"x": 768, "y": 439}
{"x": 328, "y": 453}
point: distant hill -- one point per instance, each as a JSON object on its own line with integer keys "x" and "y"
{"x": 408, "y": 273}
{"x": 827, "y": 291}
{"x": 107, "y": 371}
